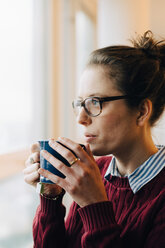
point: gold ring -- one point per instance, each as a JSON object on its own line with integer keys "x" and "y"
{"x": 74, "y": 161}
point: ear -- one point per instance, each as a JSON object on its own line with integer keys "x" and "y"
{"x": 144, "y": 113}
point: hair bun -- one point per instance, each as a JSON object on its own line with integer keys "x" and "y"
{"x": 151, "y": 47}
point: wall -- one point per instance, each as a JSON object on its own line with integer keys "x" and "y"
{"x": 157, "y": 17}
{"x": 125, "y": 18}
{"x": 66, "y": 59}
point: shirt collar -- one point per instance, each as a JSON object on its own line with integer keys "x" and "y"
{"x": 144, "y": 173}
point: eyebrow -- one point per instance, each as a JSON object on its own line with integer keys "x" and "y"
{"x": 95, "y": 95}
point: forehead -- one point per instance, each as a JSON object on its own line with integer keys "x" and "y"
{"x": 95, "y": 81}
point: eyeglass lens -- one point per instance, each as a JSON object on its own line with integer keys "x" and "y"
{"x": 91, "y": 105}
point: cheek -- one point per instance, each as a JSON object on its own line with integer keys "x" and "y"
{"x": 111, "y": 135}
{"x": 115, "y": 130}
{"x": 111, "y": 124}
{"x": 116, "y": 127}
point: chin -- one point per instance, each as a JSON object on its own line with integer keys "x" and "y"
{"x": 99, "y": 151}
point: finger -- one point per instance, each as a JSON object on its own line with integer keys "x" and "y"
{"x": 63, "y": 151}
{"x": 56, "y": 163}
{"x": 55, "y": 179}
{"x": 35, "y": 147}
{"x": 33, "y": 158}
{"x": 31, "y": 169}
{"x": 32, "y": 178}
{"x": 77, "y": 148}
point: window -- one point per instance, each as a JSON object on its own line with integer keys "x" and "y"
{"x": 39, "y": 71}
{"x": 85, "y": 40}
{"x": 24, "y": 77}
{"x": 16, "y": 73}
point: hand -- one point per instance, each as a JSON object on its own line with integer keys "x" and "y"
{"x": 31, "y": 175}
{"x": 83, "y": 180}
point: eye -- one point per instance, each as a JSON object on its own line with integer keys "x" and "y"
{"x": 95, "y": 102}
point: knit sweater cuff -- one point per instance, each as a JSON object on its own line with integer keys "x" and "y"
{"x": 96, "y": 216}
{"x": 50, "y": 206}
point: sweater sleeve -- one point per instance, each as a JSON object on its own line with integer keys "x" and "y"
{"x": 156, "y": 237}
{"x": 48, "y": 224}
{"x": 100, "y": 227}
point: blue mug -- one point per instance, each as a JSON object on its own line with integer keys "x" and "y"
{"x": 44, "y": 145}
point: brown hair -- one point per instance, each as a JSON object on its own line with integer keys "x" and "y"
{"x": 138, "y": 71}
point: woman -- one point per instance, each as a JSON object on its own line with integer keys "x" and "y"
{"x": 119, "y": 200}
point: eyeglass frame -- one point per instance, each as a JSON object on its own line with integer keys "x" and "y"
{"x": 101, "y": 100}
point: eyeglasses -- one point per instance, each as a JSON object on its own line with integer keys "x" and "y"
{"x": 93, "y": 105}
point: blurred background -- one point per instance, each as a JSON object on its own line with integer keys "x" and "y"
{"x": 44, "y": 46}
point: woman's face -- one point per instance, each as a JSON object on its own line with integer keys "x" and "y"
{"x": 115, "y": 129}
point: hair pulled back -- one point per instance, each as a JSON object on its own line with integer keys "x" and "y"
{"x": 138, "y": 71}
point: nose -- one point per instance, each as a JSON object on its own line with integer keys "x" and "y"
{"x": 83, "y": 118}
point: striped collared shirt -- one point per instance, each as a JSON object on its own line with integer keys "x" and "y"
{"x": 144, "y": 173}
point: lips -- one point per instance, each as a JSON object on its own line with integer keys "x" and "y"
{"x": 89, "y": 137}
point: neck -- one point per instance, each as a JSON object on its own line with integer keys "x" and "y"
{"x": 136, "y": 155}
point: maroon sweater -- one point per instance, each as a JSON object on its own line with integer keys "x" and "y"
{"x": 126, "y": 220}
